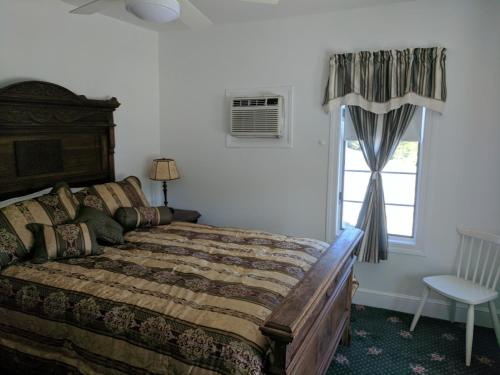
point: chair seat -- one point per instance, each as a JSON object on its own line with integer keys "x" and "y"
{"x": 459, "y": 289}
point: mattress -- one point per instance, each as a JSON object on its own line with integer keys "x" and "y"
{"x": 177, "y": 299}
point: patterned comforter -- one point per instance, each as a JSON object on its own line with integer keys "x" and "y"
{"x": 176, "y": 299}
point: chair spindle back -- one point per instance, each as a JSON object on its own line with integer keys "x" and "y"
{"x": 478, "y": 257}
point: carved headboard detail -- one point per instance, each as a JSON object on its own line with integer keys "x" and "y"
{"x": 50, "y": 134}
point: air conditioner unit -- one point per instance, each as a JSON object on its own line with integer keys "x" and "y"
{"x": 257, "y": 117}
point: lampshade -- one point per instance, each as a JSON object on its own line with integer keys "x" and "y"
{"x": 164, "y": 170}
{"x": 159, "y": 11}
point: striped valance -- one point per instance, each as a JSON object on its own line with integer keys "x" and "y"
{"x": 385, "y": 80}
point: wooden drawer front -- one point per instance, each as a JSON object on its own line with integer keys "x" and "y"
{"x": 332, "y": 327}
{"x": 324, "y": 335}
{"x": 330, "y": 292}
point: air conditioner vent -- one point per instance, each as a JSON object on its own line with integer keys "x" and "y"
{"x": 257, "y": 117}
{"x": 249, "y": 102}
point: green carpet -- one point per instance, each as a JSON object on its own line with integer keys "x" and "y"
{"x": 383, "y": 344}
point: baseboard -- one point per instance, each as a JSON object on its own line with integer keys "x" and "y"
{"x": 435, "y": 308}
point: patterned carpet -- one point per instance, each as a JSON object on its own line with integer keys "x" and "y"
{"x": 382, "y": 344}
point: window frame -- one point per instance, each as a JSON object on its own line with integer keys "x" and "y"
{"x": 397, "y": 244}
{"x": 415, "y": 197}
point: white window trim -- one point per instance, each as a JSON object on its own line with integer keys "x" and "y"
{"x": 397, "y": 245}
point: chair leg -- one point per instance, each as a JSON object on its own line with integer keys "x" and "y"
{"x": 494, "y": 319}
{"x": 425, "y": 295}
{"x": 469, "y": 336}
{"x": 453, "y": 309}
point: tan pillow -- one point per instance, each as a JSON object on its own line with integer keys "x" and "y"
{"x": 113, "y": 195}
{"x": 63, "y": 241}
{"x": 16, "y": 241}
{"x": 136, "y": 217}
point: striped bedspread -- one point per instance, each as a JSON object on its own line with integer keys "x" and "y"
{"x": 176, "y": 299}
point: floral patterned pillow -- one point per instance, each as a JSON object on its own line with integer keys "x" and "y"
{"x": 136, "y": 217}
{"x": 113, "y": 195}
{"x": 63, "y": 241}
{"x": 16, "y": 241}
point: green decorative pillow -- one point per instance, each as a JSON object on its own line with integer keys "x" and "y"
{"x": 136, "y": 217}
{"x": 105, "y": 228}
{"x": 113, "y": 195}
{"x": 63, "y": 241}
{"x": 16, "y": 241}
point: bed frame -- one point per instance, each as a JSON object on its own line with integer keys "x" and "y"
{"x": 309, "y": 324}
{"x": 49, "y": 134}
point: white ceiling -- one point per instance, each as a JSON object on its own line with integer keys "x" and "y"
{"x": 235, "y": 11}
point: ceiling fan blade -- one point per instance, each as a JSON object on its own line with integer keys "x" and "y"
{"x": 192, "y": 17}
{"x": 270, "y": 2}
{"x": 92, "y": 7}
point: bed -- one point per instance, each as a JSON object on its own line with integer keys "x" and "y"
{"x": 181, "y": 298}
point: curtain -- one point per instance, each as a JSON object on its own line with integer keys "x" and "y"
{"x": 383, "y": 89}
{"x": 385, "y": 80}
{"x": 377, "y": 152}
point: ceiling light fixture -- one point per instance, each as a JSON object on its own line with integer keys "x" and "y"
{"x": 158, "y": 11}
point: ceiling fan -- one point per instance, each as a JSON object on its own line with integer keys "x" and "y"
{"x": 159, "y": 11}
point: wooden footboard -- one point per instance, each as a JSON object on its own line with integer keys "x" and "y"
{"x": 307, "y": 327}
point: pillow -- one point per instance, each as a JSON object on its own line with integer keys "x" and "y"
{"x": 135, "y": 217}
{"x": 113, "y": 195}
{"x": 105, "y": 228}
{"x": 16, "y": 241}
{"x": 63, "y": 241}
{"x": 10, "y": 201}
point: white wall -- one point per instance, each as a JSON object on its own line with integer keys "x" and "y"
{"x": 284, "y": 190}
{"x": 95, "y": 56}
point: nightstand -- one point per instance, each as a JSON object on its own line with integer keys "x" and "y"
{"x": 186, "y": 215}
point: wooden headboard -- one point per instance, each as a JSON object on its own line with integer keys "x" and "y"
{"x": 50, "y": 134}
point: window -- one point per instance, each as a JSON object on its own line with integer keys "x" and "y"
{"x": 400, "y": 178}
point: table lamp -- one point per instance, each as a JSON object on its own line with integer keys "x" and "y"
{"x": 164, "y": 170}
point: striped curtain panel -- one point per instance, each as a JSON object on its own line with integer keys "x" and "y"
{"x": 377, "y": 152}
{"x": 385, "y": 80}
{"x": 383, "y": 88}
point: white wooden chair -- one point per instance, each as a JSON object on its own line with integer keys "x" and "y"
{"x": 474, "y": 283}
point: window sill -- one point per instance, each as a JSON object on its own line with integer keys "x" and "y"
{"x": 404, "y": 246}
{"x": 399, "y": 245}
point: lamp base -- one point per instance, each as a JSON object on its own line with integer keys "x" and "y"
{"x": 165, "y": 202}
